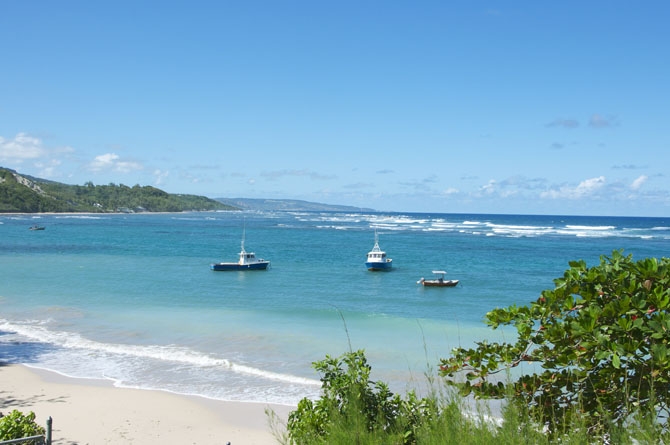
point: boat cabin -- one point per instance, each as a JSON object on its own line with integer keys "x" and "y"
{"x": 247, "y": 257}
{"x": 377, "y": 255}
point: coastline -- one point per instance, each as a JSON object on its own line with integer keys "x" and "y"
{"x": 94, "y": 411}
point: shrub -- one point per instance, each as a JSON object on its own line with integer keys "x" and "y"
{"x": 17, "y": 425}
{"x": 601, "y": 338}
{"x": 353, "y": 409}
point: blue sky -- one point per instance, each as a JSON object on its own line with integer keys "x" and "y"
{"x": 428, "y": 106}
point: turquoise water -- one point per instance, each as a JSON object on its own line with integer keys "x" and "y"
{"x": 131, "y": 298}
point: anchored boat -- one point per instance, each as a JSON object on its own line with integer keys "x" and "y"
{"x": 246, "y": 261}
{"x": 377, "y": 259}
{"x": 438, "y": 281}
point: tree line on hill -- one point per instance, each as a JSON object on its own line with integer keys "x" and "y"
{"x": 23, "y": 194}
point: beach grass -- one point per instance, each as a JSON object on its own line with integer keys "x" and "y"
{"x": 458, "y": 425}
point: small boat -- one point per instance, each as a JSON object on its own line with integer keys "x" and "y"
{"x": 37, "y": 227}
{"x": 377, "y": 258}
{"x": 438, "y": 281}
{"x": 247, "y": 261}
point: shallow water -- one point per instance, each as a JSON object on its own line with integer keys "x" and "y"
{"x": 131, "y": 298}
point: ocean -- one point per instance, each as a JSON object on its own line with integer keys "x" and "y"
{"x": 130, "y": 298}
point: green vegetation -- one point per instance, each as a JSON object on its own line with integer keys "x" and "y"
{"x": 352, "y": 404}
{"x": 17, "y": 425}
{"x": 19, "y": 194}
{"x": 352, "y": 409}
{"x": 600, "y": 339}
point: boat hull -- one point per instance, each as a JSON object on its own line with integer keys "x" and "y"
{"x": 231, "y": 267}
{"x": 379, "y": 265}
{"x": 439, "y": 283}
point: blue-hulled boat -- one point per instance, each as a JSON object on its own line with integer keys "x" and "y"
{"x": 247, "y": 261}
{"x": 377, "y": 259}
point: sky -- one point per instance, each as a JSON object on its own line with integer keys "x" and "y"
{"x": 522, "y": 107}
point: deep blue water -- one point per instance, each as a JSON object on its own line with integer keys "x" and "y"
{"x": 131, "y": 298}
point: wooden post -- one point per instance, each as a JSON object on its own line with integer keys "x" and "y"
{"x": 48, "y": 434}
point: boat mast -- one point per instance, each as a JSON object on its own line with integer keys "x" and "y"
{"x": 376, "y": 247}
{"x": 243, "y": 254}
{"x": 244, "y": 231}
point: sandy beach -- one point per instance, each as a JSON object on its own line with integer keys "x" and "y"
{"x": 96, "y": 412}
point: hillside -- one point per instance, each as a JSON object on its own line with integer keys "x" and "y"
{"x": 26, "y": 194}
{"x": 288, "y": 204}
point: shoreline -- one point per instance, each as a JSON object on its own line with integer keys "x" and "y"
{"x": 92, "y": 412}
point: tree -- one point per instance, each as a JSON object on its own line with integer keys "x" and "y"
{"x": 601, "y": 338}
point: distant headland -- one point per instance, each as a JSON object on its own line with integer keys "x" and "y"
{"x": 20, "y": 193}
{"x": 288, "y": 205}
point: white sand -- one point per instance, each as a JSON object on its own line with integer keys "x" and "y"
{"x": 95, "y": 412}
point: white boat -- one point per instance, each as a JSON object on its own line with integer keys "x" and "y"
{"x": 246, "y": 261}
{"x": 438, "y": 281}
{"x": 377, "y": 259}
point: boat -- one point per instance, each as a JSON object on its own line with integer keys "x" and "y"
{"x": 247, "y": 261}
{"x": 37, "y": 227}
{"x": 438, "y": 281}
{"x": 376, "y": 259}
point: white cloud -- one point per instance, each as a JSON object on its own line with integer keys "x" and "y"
{"x": 48, "y": 169}
{"x": 21, "y": 148}
{"x": 25, "y": 151}
{"x": 159, "y": 176}
{"x": 585, "y": 188}
{"x": 103, "y": 162}
{"x": 112, "y": 161}
{"x": 490, "y": 187}
{"x": 639, "y": 182}
{"x": 588, "y": 186}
